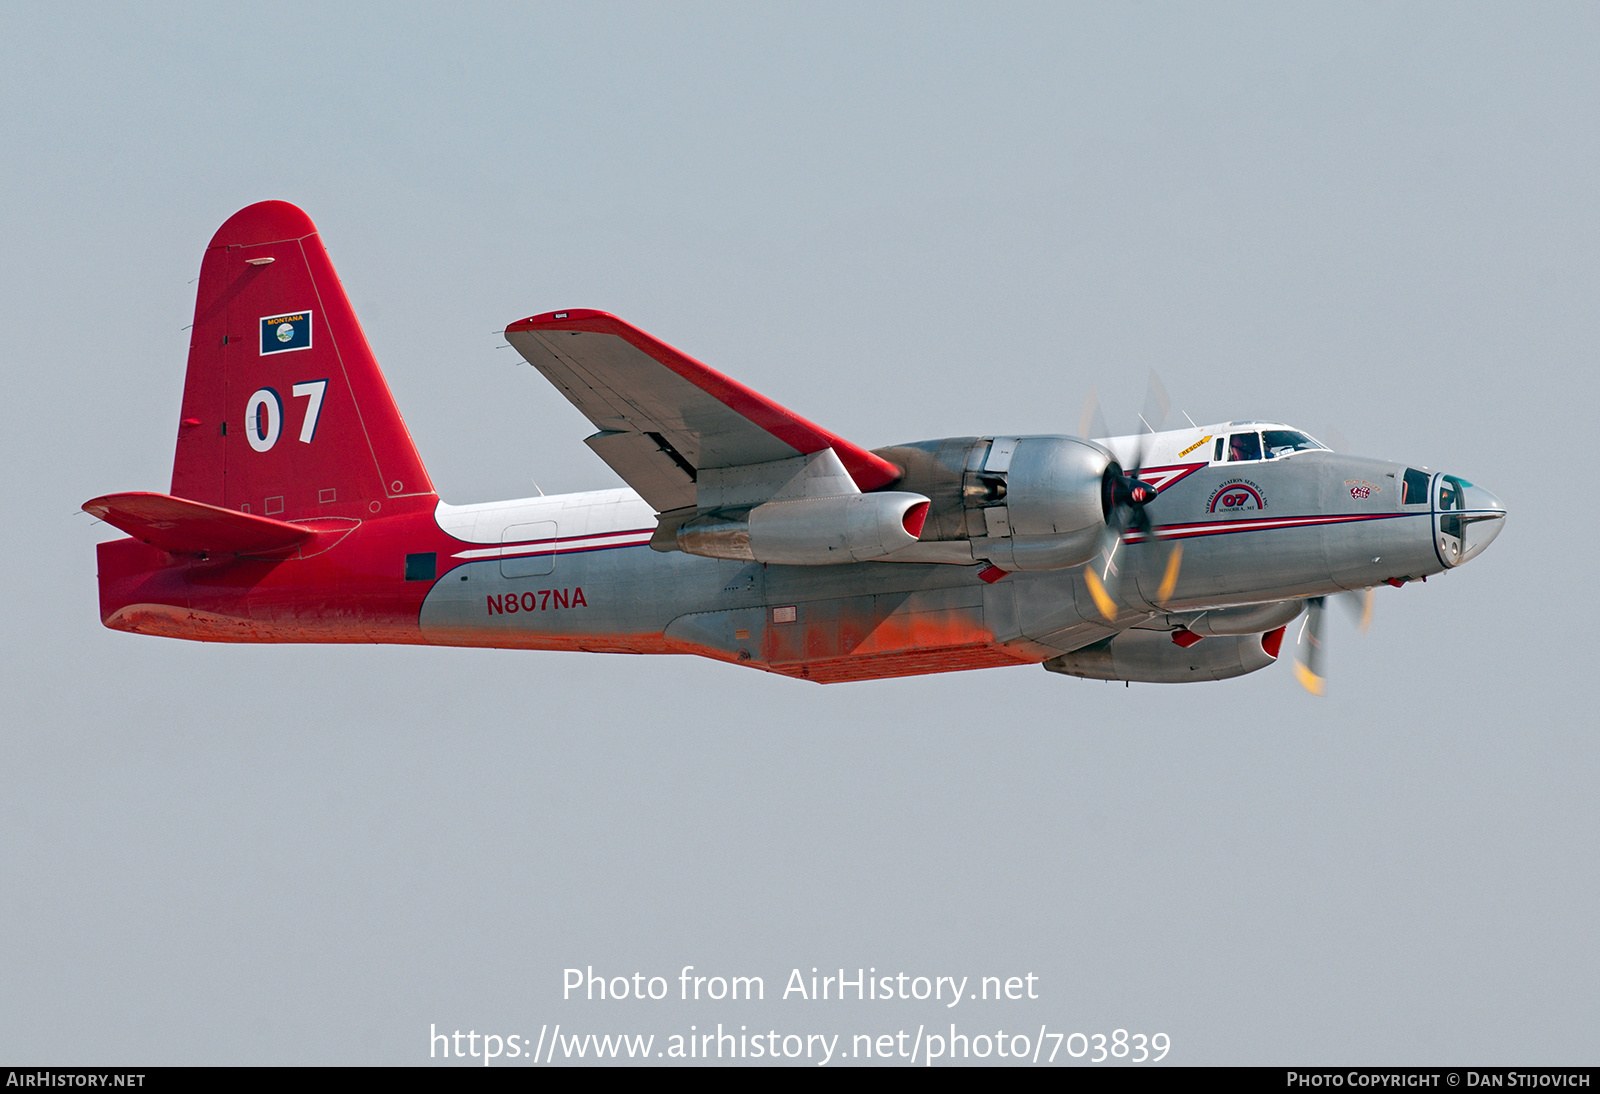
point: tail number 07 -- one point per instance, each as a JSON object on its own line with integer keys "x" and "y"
{"x": 263, "y": 414}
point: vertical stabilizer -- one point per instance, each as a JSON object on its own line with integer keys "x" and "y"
{"x": 285, "y": 412}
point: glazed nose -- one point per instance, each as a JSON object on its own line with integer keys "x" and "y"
{"x": 1469, "y": 519}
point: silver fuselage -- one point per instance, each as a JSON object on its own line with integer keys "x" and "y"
{"x": 1306, "y": 524}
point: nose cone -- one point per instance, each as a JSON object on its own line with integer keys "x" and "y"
{"x": 1469, "y": 519}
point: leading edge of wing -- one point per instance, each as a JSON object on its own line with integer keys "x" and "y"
{"x": 870, "y": 472}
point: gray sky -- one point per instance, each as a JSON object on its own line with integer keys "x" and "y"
{"x": 903, "y": 222}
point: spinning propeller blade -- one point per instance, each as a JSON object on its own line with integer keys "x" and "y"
{"x": 1091, "y": 423}
{"x": 1309, "y": 661}
{"x": 1359, "y": 605}
{"x": 1169, "y": 580}
{"x": 1125, "y": 499}
{"x": 1308, "y": 667}
{"x": 1156, "y": 404}
{"x": 1097, "y": 575}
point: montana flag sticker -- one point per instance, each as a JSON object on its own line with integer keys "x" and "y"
{"x": 281, "y": 333}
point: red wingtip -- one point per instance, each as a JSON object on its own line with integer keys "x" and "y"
{"x": 263, "y": 222}
{"x": 557, "y": 319}
{"x": 915, "y": 518}
{"x": 1272, "y": 642}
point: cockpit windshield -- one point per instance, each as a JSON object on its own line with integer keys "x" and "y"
{"x": 1281, "y": 442}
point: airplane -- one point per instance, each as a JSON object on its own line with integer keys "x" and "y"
{"x": 300, "y": 511}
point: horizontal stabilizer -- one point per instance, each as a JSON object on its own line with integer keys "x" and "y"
{"x": 192, "y": 527}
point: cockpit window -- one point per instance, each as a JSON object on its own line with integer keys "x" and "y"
{"x": 1244, "y": 446}
{"x": 1452, "y": 492}
{"x": 1280, "y": 442}
{"x": 1415, "y": 491}
{"x": 1218, "y": 457}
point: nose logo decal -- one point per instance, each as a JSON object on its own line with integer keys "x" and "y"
{"x": 1236, "y": 496}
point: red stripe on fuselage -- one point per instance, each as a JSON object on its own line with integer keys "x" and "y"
{"x": 477, "y": 552}
{"x": 1267, "y": 524}
{"x": 574, "y": 539}
{"x": 596, "y": 547}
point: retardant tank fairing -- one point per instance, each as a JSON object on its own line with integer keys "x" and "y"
{"x": 1153, "y": 657}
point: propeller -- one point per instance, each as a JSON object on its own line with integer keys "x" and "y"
{"x": 1124, "y": 498}
{"x": 1309, "y": 655}
{"x": 1359, "y": 604}
{"x": 1091, "y": 423}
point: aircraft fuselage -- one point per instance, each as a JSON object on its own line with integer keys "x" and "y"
{"x": 576, "y": 572}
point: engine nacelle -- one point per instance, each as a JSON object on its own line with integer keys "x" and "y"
{"x": 1023, "y": 503}
{"x": 810, "y": 531}
{"x": 1054, "y": 504}
{"x": 1250, "y": 619}
{"x": 1152, "y": 657}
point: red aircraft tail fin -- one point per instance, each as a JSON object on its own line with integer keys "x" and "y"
{"x": 285, "y": 412}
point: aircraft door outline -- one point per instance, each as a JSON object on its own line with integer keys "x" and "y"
{"x": 534, "y": 553}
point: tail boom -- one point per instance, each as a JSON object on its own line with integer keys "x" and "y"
{"x": 367, "y": 586}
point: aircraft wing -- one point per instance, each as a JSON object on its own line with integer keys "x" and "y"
{"x": 663, "y": 416}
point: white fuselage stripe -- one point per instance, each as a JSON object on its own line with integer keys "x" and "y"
{"x": 632, "y": 538}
